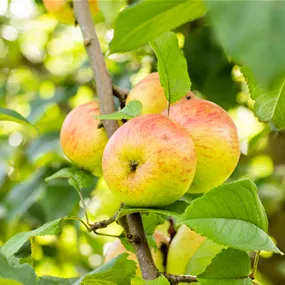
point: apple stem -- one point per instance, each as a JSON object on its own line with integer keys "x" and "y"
{"x": 105, "y": 94}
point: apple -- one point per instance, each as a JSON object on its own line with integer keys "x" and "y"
{"x": 149, "y": 161}
{"x": 62, "y": 10}
{"x": 150, "y": 93}
{"x": 118, "y": 248}
{"x": 83, "y": 138}
{"x": 103, "y": 202}
{"x": 181, "y": 249}
{"x": 215, "y": 137}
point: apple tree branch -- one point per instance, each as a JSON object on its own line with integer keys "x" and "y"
{"x": 105, "y": 94}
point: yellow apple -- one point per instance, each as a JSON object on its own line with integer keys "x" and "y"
{"x": 215, "y": 137}
{"x": 150, "y": 93}
{"x": 182, "y": 248}
{"x": 83, "y": 138}
{"x": 149, "y": 161}
{"x": 62, "y": 10}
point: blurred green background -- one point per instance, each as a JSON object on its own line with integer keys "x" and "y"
{"x": 44, "y": 73}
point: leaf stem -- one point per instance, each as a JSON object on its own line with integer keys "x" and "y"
{"x": 255, "y": 265}
{"x": 77, "y": 219}
{"x": 84, "y": 206}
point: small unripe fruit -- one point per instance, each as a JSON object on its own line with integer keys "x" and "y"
{"x": 215, "y": 137}
{"x": 150, "y": 93}
{"x": 63, "y": 11}
{"x": 149, "y": 161}
{"x": 83, "y": 138}
{"x": 182, "y": 248}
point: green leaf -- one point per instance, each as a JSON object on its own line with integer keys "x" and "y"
{"x": 231, "y": 215}
{"x": 50, "y": 280}
{"x": 140, "y": 23}
{"x": 13, "y": 116}
{"x": 161, "y": 280}
{"x": 203, "y": 257}
{"x": 132, "y": 110}
{"x": 4, "y": 281}
{"x": 257, "y": 39}
{"x": 11, "y": 269}
{"x": 151, "y": 221}
{"x": 17, "y": 241}
{"x": 176, "y": 209}
{"x": 270, "y": 102}
{"x": 111, "y": 9}
{"x": 230, "y": 267}
{"x": 78, "y": 178}
{"x": 45, "y": 145}
{"x": 117, "y": 271}
{"x": 23, "y": 195}
{"x": 172, "y": 67}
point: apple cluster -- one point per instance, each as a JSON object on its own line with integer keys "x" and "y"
{"x": 154, "y": 159}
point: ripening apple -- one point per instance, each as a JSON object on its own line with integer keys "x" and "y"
{"x": 62, "y": 10}
{"x": 117, "y": 248}
{"x": 149, "y": 161}
{"x": 103, "y": 201}
{"x": 215, "y": 137}
{"x": 83, "y": 138}
{"x": 181, "y": 249}
{"x": 150, "y": 93}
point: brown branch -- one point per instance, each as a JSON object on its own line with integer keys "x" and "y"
{"x": 175, "y": 279}
{"x": 146, "y": 263}
{"x": 96, "y": 59}
{"x": 105, "y": 95}
{"x": 121, "y": 94}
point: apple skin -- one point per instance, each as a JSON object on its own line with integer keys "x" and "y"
{"x": 149, "y": 161}
{"x": 82, "y": 139}
{"x": 150, "y": 93}
{"x": 215, "y": 137}
{"x": 181, "y": 249}
{"x": 62, "y": 10}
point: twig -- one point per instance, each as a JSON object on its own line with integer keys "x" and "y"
{"x": 121, "y": 94}
{"x": 96, "y": 59}
{"x": 105, "y": 223}
{"x": 105, "y": 94}
{"x": 175, "y": 279}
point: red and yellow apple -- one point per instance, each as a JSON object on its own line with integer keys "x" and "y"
{"x": 62, "y": 10}
{"x": 149, "y": 161}
{"x": 215, "y": 137}
{"x": 83, "y": 139}
{"x": 181, "y": 249}
{"x": 150, "y": 93}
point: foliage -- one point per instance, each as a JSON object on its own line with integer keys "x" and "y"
{"x": 234, "y": 55}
